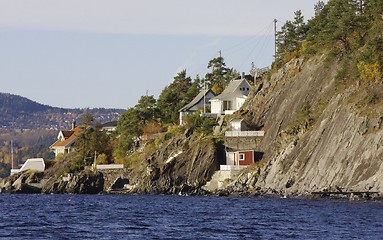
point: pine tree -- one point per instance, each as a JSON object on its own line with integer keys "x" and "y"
{"x": 174, "y": 97}
{"x": 219, "y": 75}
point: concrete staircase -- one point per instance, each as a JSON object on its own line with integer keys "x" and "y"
{"x": 218, "y": 179}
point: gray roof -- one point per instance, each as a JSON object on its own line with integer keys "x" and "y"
{"x": 196, "y": 100}
{"x": 110, "y": 124}
{"x": 230, "y": 89}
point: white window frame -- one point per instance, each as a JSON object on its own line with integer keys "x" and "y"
{"x": 241, "y": 157}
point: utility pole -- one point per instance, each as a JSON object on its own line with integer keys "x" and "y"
{"x": 220, "y": 53}
{"x": 12, "y": 153}
{"x": 94, "y": 161}
{"x": 204, "y": 97}
{"x": 275, "y": 39}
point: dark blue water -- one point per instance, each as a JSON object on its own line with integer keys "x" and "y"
{"x": 176, "y": 217}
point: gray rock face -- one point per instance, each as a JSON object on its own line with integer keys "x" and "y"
{"x": 181, "y": 166}
{"x": 86, "y": 182}
{"x": 25, "y": 182}
{"x": 337, "y": 149}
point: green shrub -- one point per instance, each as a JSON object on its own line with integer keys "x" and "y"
{"x": 204, "y": 125}
{"x": 373, "y": 98}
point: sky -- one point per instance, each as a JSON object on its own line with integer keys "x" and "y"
{"x": 109, "y": 53}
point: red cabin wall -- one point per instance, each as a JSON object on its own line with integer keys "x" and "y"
{"x": 249, "y": 158}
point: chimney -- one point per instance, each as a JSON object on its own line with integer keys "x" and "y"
{"x": 73, "y": 124}
{"x": 243, "y": 75}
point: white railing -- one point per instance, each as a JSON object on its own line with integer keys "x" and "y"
{"x": 14, "y": 171}
{"x": 109, "y": 166}
{"x": 231, "y": 167}
{"x": 244, "y": 134}
{"x": 229, "y": 112}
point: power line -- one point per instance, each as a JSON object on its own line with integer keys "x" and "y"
{"x": 267, "y": 33}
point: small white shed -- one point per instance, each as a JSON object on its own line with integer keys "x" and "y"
{"x": 37, "y": 164}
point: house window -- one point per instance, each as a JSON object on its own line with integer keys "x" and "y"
{"x": 241, "y": 157}
{"x": 248, "y": 89}
{"x": 226, "y": 105}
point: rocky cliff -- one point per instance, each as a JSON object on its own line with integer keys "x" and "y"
{"x": 25, "y": 182}
{"x": 182, "y": 164}
{"x": 316, "y": 138}
{"x": 85, "y": 182}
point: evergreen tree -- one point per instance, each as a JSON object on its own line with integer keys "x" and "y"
{"x": 147, "y": 109}
{"x": 194, "y": 89}
{"x": 174, "y": 97}
{"x": 92, "y": 140}
{"x": 129, "y": 128}
{"x": 219, "y": 75}
{"x": 291, "y": 37}
{"x": 318, "y": 8}
{"x": 87, "y": 119}
{"x": 131, "y": 123}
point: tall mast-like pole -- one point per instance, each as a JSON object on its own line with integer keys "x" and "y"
{"x": 204, "y": 97}
{"x": 12, "y": 153}
{"x": 275, "y": 39}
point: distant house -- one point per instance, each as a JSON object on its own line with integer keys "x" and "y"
{"x": 66, "y": 140}
{"x": 196, "y": 104}
{"x": 109, "y": 126}
{"x": 232, "y": 98}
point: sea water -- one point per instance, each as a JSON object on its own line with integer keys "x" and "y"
{"x": 185, "y": 217}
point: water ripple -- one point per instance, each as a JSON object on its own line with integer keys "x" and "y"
{"x": 175, "y": 217}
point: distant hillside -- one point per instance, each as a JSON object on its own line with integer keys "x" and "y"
{"x": 21, "y": 113}
{"x": 14, "y": 103}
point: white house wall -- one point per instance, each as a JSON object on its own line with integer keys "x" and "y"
{"x": 240, "y": 102}
{"x": 182, "y": 116}
{"x": 236, "y": 125}
{"x": 230, "y": 156}
{"x": 216, "y": 107}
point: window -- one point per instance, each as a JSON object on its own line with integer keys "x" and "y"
{"x": 241, "y": 157}
{"x": 226, "y": 105}
{"x": 248, "y": 89}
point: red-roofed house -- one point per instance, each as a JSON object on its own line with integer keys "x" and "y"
{"x": 65, "y": 140}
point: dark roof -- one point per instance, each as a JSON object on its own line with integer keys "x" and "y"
{"x": 110, "y": 124}
{"x": 196, "y": 100}
{"x": 67, "y": 133}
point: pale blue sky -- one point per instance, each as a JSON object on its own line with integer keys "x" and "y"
{"x": 108, "y": 53}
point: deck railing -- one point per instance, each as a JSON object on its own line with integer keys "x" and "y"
{"x": 231, "y": 167}
{"x": 244, "y": 134}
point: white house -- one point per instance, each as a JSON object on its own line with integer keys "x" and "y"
{"x": 232, "y": 98}
{"x": 109, "y": 126}
{"x": 196, "y": 104}
{"x": 65, "y": 140}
